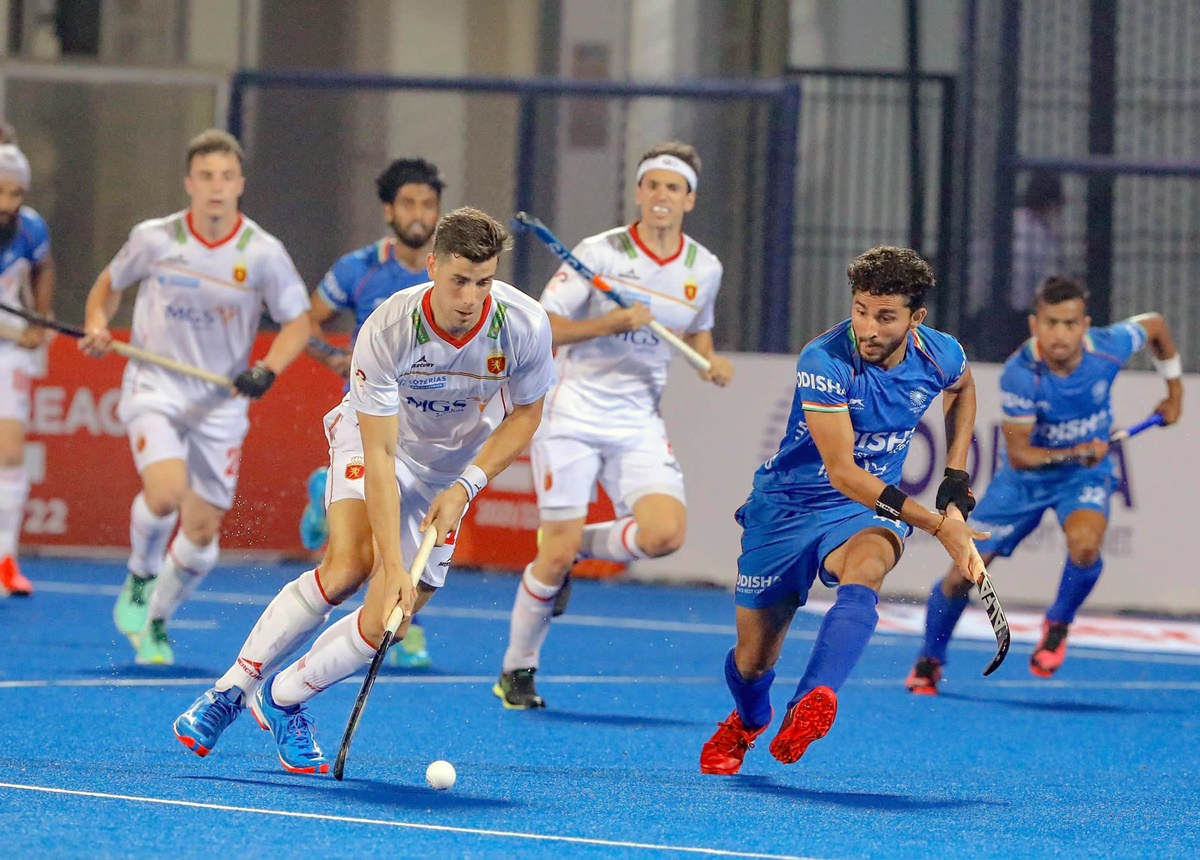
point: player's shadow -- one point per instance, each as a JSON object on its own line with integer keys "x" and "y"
{"x": 359, "y": 790}
{"x": 757, "y": 784}
{"x": 625, "y": 721}
{"x": 1056, "y": 706}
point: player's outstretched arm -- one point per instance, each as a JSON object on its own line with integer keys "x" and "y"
{"x": 319, "y": 315}
{"x": 379, "y": 433}
{"x": 254, "y": 381}
{"x": 1168, "y": 363}
{"x": 43, "y": 301}
{"x": 833, "y": 435}
{"x": 102, "y": 302}
{"x": 1024, "y": 455}
{"x": 720, "y": 370}
{"x": 565, "y": 330}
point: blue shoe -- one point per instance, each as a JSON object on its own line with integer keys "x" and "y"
{"x": 292, "y": 729}
{"x": 314, "y": 527}
{"x": 199, "y": 727}
{"x": 411, "y": 651}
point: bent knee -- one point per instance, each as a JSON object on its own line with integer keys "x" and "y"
{"x": 656, "y": 543}
{"x": 1084, "y": 553}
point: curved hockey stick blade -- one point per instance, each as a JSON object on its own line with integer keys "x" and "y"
{"x": 995, "y": 614}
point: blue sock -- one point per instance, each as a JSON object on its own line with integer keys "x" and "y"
{"x": 843, "y": 637}
{"x": 752, "y": 698}
{"x": 1077, "y": 583}
{"x": 941, "y": 616}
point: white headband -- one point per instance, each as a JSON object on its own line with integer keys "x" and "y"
{"x": 14, "y": 167}
{"x": 668, "y": 162}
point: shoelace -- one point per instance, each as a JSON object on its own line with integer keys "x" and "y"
{"x": 222, "y": 712}
{"x": 734, "y": 737}
{"x": 137, "y": 589}
{"x": 158, "y": 632}
{"x": 300, "y": 725}
{"x": 1054, "y": 637}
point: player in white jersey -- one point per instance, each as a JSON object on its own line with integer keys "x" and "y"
{"x": 447, "y": 385}
{"x": 204, "y": 276}
{"x": 26, "y": 277}
{"x": 602, "y": 420}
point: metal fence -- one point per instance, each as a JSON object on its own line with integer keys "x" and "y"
{"x": 1105, "y": 93}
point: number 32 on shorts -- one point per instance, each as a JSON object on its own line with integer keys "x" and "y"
{"x": 1093, "y": 495}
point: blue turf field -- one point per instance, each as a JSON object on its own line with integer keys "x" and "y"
{"x": 1103, "y": 761}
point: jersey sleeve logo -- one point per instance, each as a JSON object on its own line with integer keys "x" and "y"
{"x": 496, "y": 363}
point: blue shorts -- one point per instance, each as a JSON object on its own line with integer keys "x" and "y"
{"x": 1015, "y": 501}
{"x": 784, "y": 550}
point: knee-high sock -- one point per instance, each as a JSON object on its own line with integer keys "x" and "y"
{"x": 338, "y": 653}
{"x": 529, "y": 624}
{"x": 752, "y": 698}
{"x": 148, "y": 536}
{"x": 1077, "y": 583}
{"x": 185, "y": 566}
{"x": 14, "y": 490}
{"x": 615, "y": 540}
{"x": 844, "y": 634}
{"x": 289, "y": 620}
{"x": 941, "y": 617}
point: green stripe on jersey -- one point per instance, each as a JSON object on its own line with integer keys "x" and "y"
{"x": 627, "y": 244}
{"x": 690, "y": 258}
{"x": 419, "y": 325}
{"x": 180, "y": 232}
{"x": 245, "y": 240}
{"x": 808, "y": 407}
{"x": 497, "y": 320}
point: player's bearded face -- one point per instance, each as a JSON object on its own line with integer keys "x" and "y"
{"x": 215, "y": 184}
{"x": 663, "y": 198}
{"x": 413, "y": 214}
{"x": 460, "y": 288}
{"x": 12, "y": 196}
{"x": 1060, "y": 329}
{"x": 881, "y": 324}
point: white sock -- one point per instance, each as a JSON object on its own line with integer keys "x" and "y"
{"x": 615, "y": 540}
{"x": 185, "y": 566}
{"x": 14, "y": 490}
{"x": 530, "y": 622}
{"x": 338, "y": 653}
{"x": 148, "y": 536}
{"x": 295, "y": 614}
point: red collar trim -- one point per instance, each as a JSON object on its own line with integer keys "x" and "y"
{"x": 207, "y": 244}
{"x": 456, "y": 342}
{"x": 661, "y": 261}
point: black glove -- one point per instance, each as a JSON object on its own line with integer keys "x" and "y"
{"x": 254, "y": 381}
{"x": 956, "y": 488}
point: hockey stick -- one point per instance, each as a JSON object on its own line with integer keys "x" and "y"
{"x": 326, "y": 348}
{"x": 122, "y": 348}
{"x": 393, "y": 624}
{"x": 1155, "y": 420}
{"x": 560, "y": 250}
{"x": 991, "y": 604}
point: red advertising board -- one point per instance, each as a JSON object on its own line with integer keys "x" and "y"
{"x": 83, "y": 478}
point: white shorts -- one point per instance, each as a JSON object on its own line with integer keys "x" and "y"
{"x": 16, "y": 371}
{"x": 628, "y": 464}
{"x": 346, "y": 481}
{"x": 212, "y": 450}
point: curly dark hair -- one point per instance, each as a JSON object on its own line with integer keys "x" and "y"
{"x": 891, "y": 271}
{"x": 1057, "y": 289}
{"x": 406, "y": 171}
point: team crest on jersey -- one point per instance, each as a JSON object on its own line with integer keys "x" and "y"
{"x": 355, "y": 469}
{"x": 140, "y": 444}
{"x": 548, "y": 482}
{"x": 360, "y": 379}
{"x": 689, "y": 291}
{"x": 239, "y": 272}
{"x": 496, "y": 363}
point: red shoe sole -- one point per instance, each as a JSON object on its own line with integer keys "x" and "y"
{"x": 810, "y": 720}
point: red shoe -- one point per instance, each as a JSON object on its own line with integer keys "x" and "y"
{"x": 808, "y": 720}
{"x": 726, "y": 749}
{"x": 1051, "y": 651}
{"x": 11, "y": 579}
{"x": 924, "y": 677}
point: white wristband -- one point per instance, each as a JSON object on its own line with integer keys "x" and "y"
{"x": 473, "y": 480}
{"x": 1169, "y": 368}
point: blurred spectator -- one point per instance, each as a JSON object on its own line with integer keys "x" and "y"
{"x": 8, "y": 134}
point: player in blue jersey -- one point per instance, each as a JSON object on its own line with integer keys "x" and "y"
{"x": 410, "y": 190}
{"x": 1057, "y": 419}
{"x": 26, "y": 278}
{"x": 826, "y": 504}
